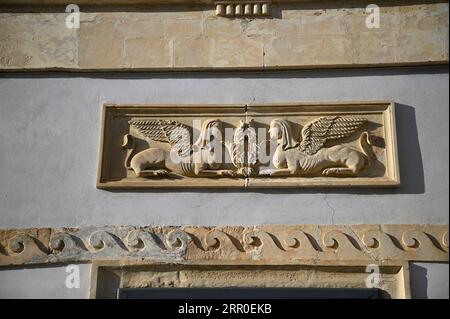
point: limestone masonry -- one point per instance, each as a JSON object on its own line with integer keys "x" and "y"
{"x": 177, "y": 37}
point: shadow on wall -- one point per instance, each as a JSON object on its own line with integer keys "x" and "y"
{"x": 418, "y": 281}
{"x": 276, "y": 11}
{"x": 226, "y": 74}
{"x": 410, "y": 156}
{"x": 410, "y": 161}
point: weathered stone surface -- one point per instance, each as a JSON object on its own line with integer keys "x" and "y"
{"x": 266, "y": 244}
{"x": 374, "y": 47}
{"x": 108, "y": 276}
{"x": 240, "y": 52}
{"x": 141, "y": 52}
{"x": 173, "y": 37}
{"x": 102, "y": 45}
{"x": 307, "y": 50}
{"x": 421, "y": 44}
{"x": 39, "y": 40}
{"x": 63, "y": 245}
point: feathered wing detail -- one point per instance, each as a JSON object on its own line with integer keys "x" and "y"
{"x": 316, "y": 133}
{"x": 167, "y": 131}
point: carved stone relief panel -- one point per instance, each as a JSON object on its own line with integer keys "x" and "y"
{"x": 283, "y": 145}
{"x": 168, "y": 146}
{"x": 326, "y": 145}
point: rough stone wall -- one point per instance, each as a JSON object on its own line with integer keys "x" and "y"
{"x": 297, "y": 35}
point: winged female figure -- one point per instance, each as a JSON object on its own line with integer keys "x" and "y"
{"x": 159, "y": 161}
{"x": 310, "y": 156}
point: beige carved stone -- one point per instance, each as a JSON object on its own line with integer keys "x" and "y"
{"x": 166, "y": 146}
{"x": 144, "y": 163}
{"x": 265, "y": 244}
{"x": 309, "y": 157}
{"x": 289, "y": 145}
{"x": 259, "y": 8}
{"x": 107, "y": 276}
{"x": 320, "y": 256}
{"x": 174, "y": 35}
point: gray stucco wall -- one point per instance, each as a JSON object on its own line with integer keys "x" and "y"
{"x": 50, "y": 125}
{"x": 44, "y": 283}
{"x": 50, "y": 129}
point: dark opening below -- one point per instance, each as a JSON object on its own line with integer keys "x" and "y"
{"x": 248, "y": 293}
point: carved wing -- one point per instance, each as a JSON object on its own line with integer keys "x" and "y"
{"x": 327, "y": 128}
{"x": 168, "y": 131}
{"x": 237, "y": 149}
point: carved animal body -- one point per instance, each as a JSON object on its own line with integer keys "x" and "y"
{"x": 290, "y": 158}
{"x": 336, "y": 160}
{"x": 309, "y": 157}
{"x": 158, "y": 162}
{"x": 147, "y": 162}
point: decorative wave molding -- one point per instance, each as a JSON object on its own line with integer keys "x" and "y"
{"x": 268, "y": 243}
{"x": 63, "y": 245}
{"x": 242, "y": 8}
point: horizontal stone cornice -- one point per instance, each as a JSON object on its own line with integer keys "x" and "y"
{"x": 228, "y": 36}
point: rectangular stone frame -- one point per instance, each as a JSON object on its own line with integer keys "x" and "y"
{"x": 108, "y": 276}
{"x": 114, "y": 124}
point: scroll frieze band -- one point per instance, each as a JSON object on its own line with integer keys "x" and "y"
{"x": 283, "y": 244}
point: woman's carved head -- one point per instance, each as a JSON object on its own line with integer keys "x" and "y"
{"x": 281, "y": 130}
{"x": 211, "y": 130}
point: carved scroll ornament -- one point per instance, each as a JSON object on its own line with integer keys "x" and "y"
{"x": 281, "y": 243}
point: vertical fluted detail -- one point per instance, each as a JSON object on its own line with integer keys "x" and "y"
{"x": 234, "y": 8}
{"x": 220, "y": 10}
{"x": 248, "y": 9}
{"x": 265, "y": 8}
{"x": 257, "y": 9}
{"x": 238, "y": 10}
{"x": 229, "y": 10}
